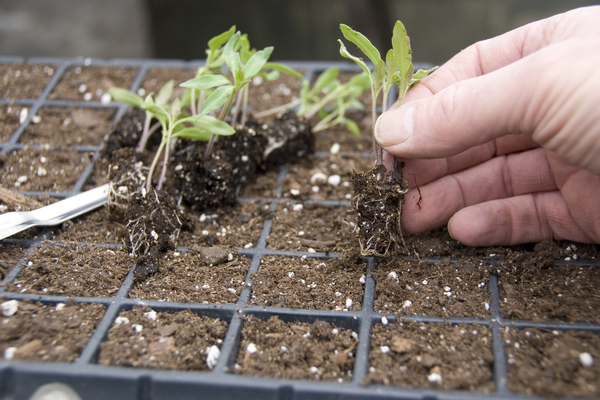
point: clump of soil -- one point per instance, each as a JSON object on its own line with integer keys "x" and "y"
{"x": 216, "y": 182}
{"x": 144, "y": 338}
{"x": 378, "y": 198}
{"x": 552, "y": 363}
{"x": 296, "y": 350}
{"x": 431, "y": 355}
{"x": 48, "y": 332}
{"x": 289, "y": 139}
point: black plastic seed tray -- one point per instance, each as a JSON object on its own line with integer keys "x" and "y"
{"x": 19, "y": 380}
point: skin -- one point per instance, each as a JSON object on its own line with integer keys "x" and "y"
{"x": 504, "y": 139}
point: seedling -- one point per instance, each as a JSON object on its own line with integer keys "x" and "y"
{"x": 173, "y": 124}
{"x": 379, "y": 201}
{"x": 328, "y": 98}
{"x": 243, "y": 64}
{"x": 397, "y": 69}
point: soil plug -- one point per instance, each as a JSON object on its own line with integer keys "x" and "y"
{"x": 379, "y": 193}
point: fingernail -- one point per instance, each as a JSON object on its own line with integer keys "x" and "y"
{"x": 395, "y": 126}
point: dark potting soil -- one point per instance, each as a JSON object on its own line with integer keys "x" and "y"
{"x": 24, "y": 81}
{"x": 207, "y": 269}
{"x": 296, "y": 350}
{"x": 86, "y": 271}
{"x": 443, "y": 289}
{"x": 544, "y": 362}
{"x": 431, "y": 355}
{"x": 144, "y": 338}
{"x": 47, "y": 332}
{"x": 308, "y": 283}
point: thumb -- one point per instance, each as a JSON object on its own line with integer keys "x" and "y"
{"x": 465, "y": 114}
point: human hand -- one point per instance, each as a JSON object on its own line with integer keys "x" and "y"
{"x": 504, "y": 139}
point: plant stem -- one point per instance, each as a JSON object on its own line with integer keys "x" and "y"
{"x": 153, "y": 166}
{"x": 222, "y": 115}
{"x": 146, "y": 133}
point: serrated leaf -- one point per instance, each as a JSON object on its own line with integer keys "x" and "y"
{"x": 165, "y": 93}
{"x": 401, "y": 47}
{"x": 283, "y": 68}
{"x": 344, "y": 53}
{"x": 379, "y": 73}
{"x": 257, "y": 62}
{"x": 125, "y": 96}
{"x": 220, "y": 40}
{"x": 216, "y": 99}
{"x": 420, "y": 75}
{"x": 362, "y": 43}
{"x": 206, "y": 82}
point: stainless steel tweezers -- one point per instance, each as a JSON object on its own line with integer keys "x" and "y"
{"x": 54, "y": 214}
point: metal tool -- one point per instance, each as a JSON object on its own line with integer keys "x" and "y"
{"x": 53, "y": 214}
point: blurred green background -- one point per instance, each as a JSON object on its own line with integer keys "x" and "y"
{"x": 299, "y": 29}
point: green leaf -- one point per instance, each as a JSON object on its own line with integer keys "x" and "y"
{"x": 324, "y": 79}
{"x": 231, "y": 56}
{"x": 352, "y": 127}
{"x": 420, "y": 75}
{"x": 214, "y": 126}
{"x": 344, "y": 53}
{"x": 125, "y": 96}
{"x": 401, "y": 46}
{"x": 220, "y": 40}
{"x": 193, "y": 133}
{"x": 379, "y": 73}
{"x": 216, "y": 99}
{"x": 257, "y": 62}
{"x": 206, "y": 82}
{"x": 362, "y": 43}
{"x": 283, "y": 68}
{"x": 165, "y": 93}
{"x": 272, "y": 75}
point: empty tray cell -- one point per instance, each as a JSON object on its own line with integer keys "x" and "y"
{"x": 432, "y": 288}
{"x": 203, "y": 275}
{"x": 309, "y": 283}
{"x": 73, "y": 270}
{"x": 156, "y": 78}
{"x": 338, "y": 139}
{"x": 54, "y": 332}
{"x": 316, "y": 350}
{"x": 76, "y": 127}
{"x": 31, "y": 169}
{"x": 309, "y": 227}
{"x": 234, "y": 227}
{"x": 11, "y": 117}
{"x": 24, "y": 81}
{"x": 548, "y": 292}
{"x": 431, "y": 355}
{"x": 182, "y": 340}
{"x": 264, "y": 94}
{"x": 91, "y": 83}
{"x": 553, "y": 363}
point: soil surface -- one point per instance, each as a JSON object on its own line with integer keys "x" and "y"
{"x": 303, "y": 207}
{"x": 325, "y": 284}
{"x": 47, "y": 332}
{"x": 436, "y": 356}
{"x": 543, "y": 363}
{"x": 296, "y": 350}
{"x": 144, "y": 338}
